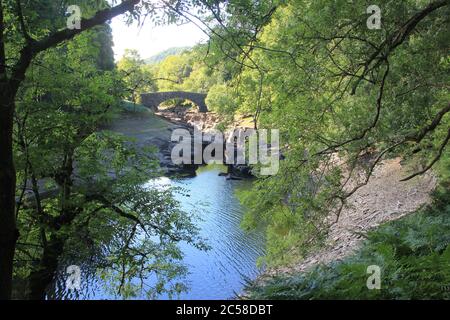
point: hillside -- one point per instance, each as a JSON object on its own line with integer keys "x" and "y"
{"x": 164, "y": 54}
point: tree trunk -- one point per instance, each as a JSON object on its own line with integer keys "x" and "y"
{"x": 9, "y": 86}
{"x": 8, "y": 229}
{"x": 43, "y": 275}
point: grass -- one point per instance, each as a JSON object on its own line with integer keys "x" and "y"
{"x": 130, "y": 107}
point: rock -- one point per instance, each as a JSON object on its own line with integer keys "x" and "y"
{"x": 231, "y": 177}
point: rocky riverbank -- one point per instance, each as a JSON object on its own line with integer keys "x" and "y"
{"x": 384, "y": 198}
{"x": 155, "y": 129}
{"x": 180, "y": 115}
{"x": 150, "y": 130}
{"x": 190, "y": 119}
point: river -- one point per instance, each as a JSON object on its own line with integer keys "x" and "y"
{"x": 219, "y": 273}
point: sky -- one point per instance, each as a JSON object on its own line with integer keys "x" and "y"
{"x": 150, "y": 40}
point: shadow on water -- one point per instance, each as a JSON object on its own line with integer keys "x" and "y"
{"x": 218, "y": 273}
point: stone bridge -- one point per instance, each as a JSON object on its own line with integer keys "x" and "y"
{"x": 153, "y": 100}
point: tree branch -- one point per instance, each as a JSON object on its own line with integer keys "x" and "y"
{"x": 363, "y": 134}
{"x": 436, "y": 158}
{"x": 23, "y": 27}
{"x": 108, "y": 204}
{"x": 436, "y": 121}
{"x": 397, "y": 38}
{"x": 2, "y": 45}
{"x": 33, "y": 48}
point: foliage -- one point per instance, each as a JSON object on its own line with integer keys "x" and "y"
{"x": 172, "y": 71}
{"x": 188, "y": 70}
{"x": 133, "y": 108}
{"x": 29, "y": 32}
{"x": 219, "y": 99}
{"x": 138, "y": 80}
{"x": 413, "y": 254}
{"x": 339, "y": 93}
{"x": 335, "y": 89}
{"x": 88, "y": 185}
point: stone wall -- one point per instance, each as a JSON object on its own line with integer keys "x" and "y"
{"x": 153, "y": 100}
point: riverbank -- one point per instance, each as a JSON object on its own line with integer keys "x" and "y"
{"x": 384, "y": 199}
{"x": 150, "y": 130}
{"x": 154, "y": 129}
{"x": 405, "y": 259}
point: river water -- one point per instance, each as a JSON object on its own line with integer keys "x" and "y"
{"x": 221, "y": 272}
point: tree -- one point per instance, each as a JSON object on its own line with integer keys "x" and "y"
{"x": 344, "y": 97}
{"x": 67, "y": 85}
{"x": 94, "y": 199}
{"x": 28, "y": 30}
{"x": 221, "y": 100}
{"x": 138, "y": 79}
{"x": 11, "y": 77}
{"x": 175, "y": 69}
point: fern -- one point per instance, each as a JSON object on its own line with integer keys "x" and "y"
{"x": 413, "y": 254}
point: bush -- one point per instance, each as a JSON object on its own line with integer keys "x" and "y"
{"x": 221, "y": 100}
{"x": 134, "y": 108}
{"x": 413, "y": 254}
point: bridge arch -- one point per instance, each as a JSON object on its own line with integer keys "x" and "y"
{"x": 153, "y": 100}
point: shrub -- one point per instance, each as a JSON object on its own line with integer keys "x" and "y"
{"x": 413, "y": 254}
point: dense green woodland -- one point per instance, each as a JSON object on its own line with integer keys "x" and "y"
{"x": 343, "y": 96}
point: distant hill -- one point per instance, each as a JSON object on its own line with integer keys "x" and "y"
{"x": 164, "y": 54}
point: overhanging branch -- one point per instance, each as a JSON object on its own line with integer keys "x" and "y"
{"x": 35, "y": 47}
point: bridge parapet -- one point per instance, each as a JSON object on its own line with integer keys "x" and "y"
{"x": 153, "y": 100}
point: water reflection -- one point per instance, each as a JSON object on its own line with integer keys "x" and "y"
{"x": 218, "y": 273}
